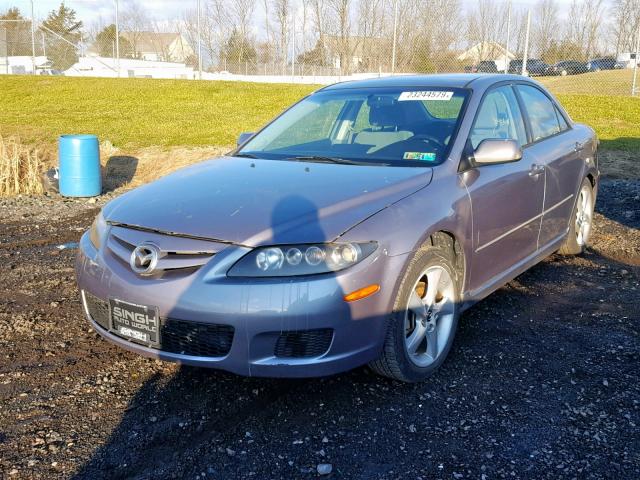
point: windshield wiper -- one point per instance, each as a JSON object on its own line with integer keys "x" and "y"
{"x": 245, "y": 155}
{"x": 323, "y": 159}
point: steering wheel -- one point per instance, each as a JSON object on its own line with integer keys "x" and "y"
{"x": 429, "y": 138}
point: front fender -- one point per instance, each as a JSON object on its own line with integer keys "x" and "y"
{"x": 402, "y": 228}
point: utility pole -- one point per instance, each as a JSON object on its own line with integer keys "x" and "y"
{"x": 526, "y": 44}
{"x": 395, "y": 36}
{"x": 506, "y": 48}
{"x": 117, "y": 38}
{"x": 635, "y": 64}
{"x": 199, "y": 45}
{"x": 33, "y": 40}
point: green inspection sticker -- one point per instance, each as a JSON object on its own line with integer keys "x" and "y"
{"x": 426, "y": 156}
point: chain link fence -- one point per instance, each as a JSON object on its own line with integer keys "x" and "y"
{"x": 588, "y": 46}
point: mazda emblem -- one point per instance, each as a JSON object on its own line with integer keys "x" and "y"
{"x": 144, "y": 259}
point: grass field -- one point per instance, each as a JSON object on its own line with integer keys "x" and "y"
{"x": 135, "y": 113}
{"x": 606, "y": 82}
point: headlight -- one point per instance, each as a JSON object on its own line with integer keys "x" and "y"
{"x": 98, "y": 231}
{"x": 293, "y": 260}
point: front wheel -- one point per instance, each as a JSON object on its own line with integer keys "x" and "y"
{"x": 425, "y": 317}
{"x": 581, "y": 221}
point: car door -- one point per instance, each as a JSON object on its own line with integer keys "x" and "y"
{"x": 554, "y": 146}
{"x": 506, "y": 198}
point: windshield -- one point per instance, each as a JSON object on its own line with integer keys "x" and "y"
{"x": 390, "y": 126}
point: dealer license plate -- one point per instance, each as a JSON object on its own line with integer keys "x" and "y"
{"x": 135, "y": 322}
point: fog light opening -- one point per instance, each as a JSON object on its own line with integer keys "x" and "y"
{"x": 362, "y": 293}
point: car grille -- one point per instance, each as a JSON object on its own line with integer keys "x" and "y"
{"x": 98, "y": 310}
{"x": 196, "y": 339}
{"x": 176, "y": 336}
{"x": 304, "y": 343}
{"x": 178, "y": 253}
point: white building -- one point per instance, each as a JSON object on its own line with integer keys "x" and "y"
{"x": 95, "y": 66}
{"x": 23, "y": 65}
{"x": 628, "y": 59}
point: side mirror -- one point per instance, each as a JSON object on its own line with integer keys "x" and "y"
{"x": 244, "y": 136}
{"x": 494, "y": 150}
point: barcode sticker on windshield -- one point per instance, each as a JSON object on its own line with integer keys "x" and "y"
{"x": 425, "y": 95}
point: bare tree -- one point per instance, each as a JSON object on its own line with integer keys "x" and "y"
{"x": 371, "y": 15}
{"x": 134, "y": 21}
{"x": 626, "y": 19}
{"x": 268, "y": 43}
{"x": 584, "y": 25}
{"x": 282, "y": 14}
{"x": 518, "y": 31}
{"x": 339, "y": 14}
{"x": 486, "y": 25}
{"x": 319, "y": 15}
{"x": 545, "y": 25}
{"x": 215, "y": 27}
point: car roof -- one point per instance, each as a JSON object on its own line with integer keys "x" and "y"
{"x": 452, "y": 80}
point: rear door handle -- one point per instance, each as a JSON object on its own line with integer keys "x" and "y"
{"x": 536, "y": 170}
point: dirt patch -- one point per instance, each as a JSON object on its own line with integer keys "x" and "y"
{"x": 542, "y": 381}
{"x": 619, "y": 164}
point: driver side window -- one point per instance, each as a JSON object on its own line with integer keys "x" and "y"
{"x": 499, "y": 117}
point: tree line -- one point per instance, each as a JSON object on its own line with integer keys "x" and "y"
{"x": 349, "y": 35}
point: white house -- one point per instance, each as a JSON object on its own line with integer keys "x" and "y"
{"x": 487, "y": 51}
{"x": 159, "y": 47}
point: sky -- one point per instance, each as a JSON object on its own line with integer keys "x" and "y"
{"x": 92, "y": 10}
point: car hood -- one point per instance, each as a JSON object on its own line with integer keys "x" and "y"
{"x": 257, "y": 202}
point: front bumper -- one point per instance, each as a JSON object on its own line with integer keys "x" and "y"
{"x": 260, "y": 311}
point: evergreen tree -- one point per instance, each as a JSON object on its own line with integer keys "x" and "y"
{"x": 106, "y": 43}
{"x": 63, "y": 34}
{"x": 18, "y": 33}
{"x": 238, "y": 49}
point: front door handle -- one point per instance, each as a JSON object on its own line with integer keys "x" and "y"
{"x": 536, "y": 170}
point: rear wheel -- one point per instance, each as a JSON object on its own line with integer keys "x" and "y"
{"x": 581, "y": 221}
{"x": 425, "y": 317}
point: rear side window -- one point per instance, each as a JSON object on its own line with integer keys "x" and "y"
{"x": 563, "y": 123}
{"x": 499, "y": 116}
{"x": 541, "y": 112}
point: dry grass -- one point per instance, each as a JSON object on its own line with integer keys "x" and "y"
{"x": 132, "y": 168}
{"x": 20, "y": 168}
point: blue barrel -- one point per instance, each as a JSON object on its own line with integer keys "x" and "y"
{"x": 79, "y": 166}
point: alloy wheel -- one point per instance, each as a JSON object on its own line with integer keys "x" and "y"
{"x": 584, "y": 215}
{"x": 429, "y": 316}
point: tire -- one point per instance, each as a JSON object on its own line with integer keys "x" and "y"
{"x": 581, "y": 222}
{"x": 396, "y": 362}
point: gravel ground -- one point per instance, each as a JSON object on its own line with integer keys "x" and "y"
{"x": 543, "y": 380}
